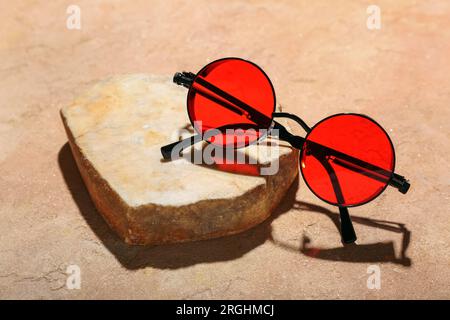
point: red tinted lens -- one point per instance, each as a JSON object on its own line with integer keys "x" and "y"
{"x": 347, "y": 159}
{"x": 249, "y": 109}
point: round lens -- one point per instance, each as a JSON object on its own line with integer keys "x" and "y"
{"x": 231, "y": 101}
{"x": 347, "y": 159}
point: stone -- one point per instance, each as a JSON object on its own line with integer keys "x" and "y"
{"x": 115, "y": 131}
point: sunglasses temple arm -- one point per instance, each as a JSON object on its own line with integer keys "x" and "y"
{"x": 173, "y": 150}
{"x": 184, "y": 79}
{"x": 395, "y": 180}
{"x": 347, "y": 231}
{"x": 400, "y": 183}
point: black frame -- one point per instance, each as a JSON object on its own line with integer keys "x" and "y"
{"x": 348, "y": 235}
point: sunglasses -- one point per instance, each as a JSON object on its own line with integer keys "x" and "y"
{"x": 346, "y": 159}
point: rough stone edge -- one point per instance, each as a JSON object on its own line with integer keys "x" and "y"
{"x": 182, "y": 223}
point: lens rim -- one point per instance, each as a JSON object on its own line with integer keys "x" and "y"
{"x": 352, "y": 114}
{"x": 268, "y": 129}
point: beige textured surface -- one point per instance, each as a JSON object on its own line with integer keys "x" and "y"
{"x": 321, "y": 58}
{"x": 116, "y": 129}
